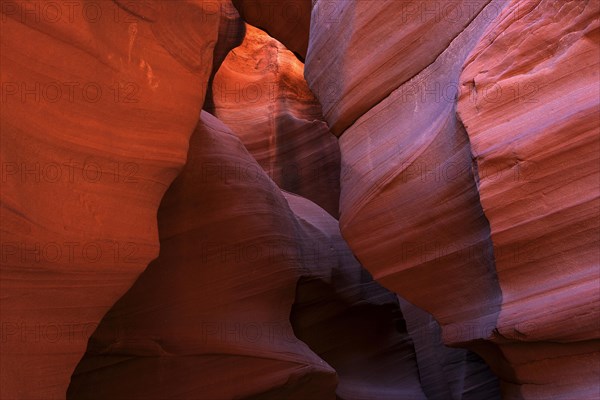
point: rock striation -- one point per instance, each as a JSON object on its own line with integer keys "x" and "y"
{"x": 469, "y": 178}
{"x": 236, "y": 254}
{"x": 98, "y": 104}
{"x": 173, "y": 175}
{"x": 260, "y": 93}
{"x": 360, "y": 51}
{"x": 530, "y": 104}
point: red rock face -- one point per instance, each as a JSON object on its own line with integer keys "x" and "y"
{"x": 360, "y": 51}
{"x": 481, "y": 224}
{"x": 531, "y": 106}
{"x": 456, "y": 141}
{"x": 409, "y": 204}
{"x": 219, "y": 235}
{"x": 232, "y": 250}
{"x": 97, "y": 110}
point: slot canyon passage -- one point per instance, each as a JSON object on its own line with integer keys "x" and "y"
{"x": 300, "y": 199}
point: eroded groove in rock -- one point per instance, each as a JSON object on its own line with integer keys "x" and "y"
{"x": 530, "y": 102}
{"x": 410, "y": 211}
{"x": 232, "y": 31}
{"x": 261, "y": 94}
{"x": 470, "y": 161}
{"x": 96, "y": 114}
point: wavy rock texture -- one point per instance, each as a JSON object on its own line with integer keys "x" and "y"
{"x": 410, "y": 211}
{"x": 412, "y": 177}
{"x": 97, "y": 110}
{"x": 531, "y": 106}
{"x": 409, "y": 204}
{"x": 469, "y": 162}
{"x": 286, "y": 20}
{"x": 217, "y": 300}
{"x": 261, "y": 94}
{"x": 360, "y": 51}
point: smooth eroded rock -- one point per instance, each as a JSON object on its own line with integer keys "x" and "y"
{"x": 216, "y": 303}
{"x": 98, "y": 104}
{"x": 360, "y": 51}
{"x": 217, "y": 299}
{"x": 261, "y": 94}
{"x": 409, "y": 206}
{"x": 531, "y": 106}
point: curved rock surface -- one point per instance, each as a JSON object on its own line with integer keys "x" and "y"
{"x": 409, "y": 204}
{"x": 260, "y": 93}
{"x": 531, "y": 194}
{"x": 465, "y": 173}
{"x": 531, "y": 106}
{"x": 98, "y": 104}
{"x": 412, "y": 177}
{"x": 360, "y": 51}
{"x": 217, "y": 300}
{"x": 349, "y": 320}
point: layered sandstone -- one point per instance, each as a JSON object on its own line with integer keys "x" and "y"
{"x": 360, "y": 51}
{"x": 260, "y": 93}
{"x": 216, "y": 303}
{"x": 464, "y": 173}
{"x": 409, "y": 204}
{"x": 98, "y": 104}
{"x": 531, "y": 106}
{"x": 492, "y": 226}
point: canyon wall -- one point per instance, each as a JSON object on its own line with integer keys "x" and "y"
{"x": 470, "y": 170}
{"x": 173, "y": 175}
{"x": 236, "y": 254}
{"x": 98, "y": 105}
